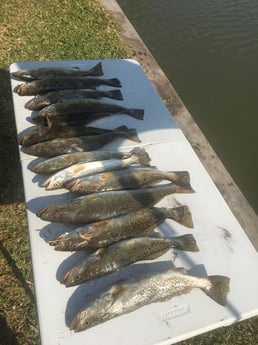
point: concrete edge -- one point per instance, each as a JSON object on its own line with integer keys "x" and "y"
{"x": 236, "y": 201}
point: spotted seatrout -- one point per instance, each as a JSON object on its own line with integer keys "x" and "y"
{"x": 62, "y": 96}
{"x": 82, "y": 111}
{"x": 106, "y": 232}
{"x": 54, "y": 164}
{"x": 42, "y": 86}
{"x": 61, "y": 146}
{"x": 131, "y": 294}
{"x": 59, "y": 179}
{"x": 132, "y": 177}
{"x": 54, "y": 72}
{"x": 98, "y": 206}
{"x": 39, "y": 134}
{"x": 117, "y": 256}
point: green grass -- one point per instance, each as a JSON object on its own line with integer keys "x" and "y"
{"x": 46, "y": 30}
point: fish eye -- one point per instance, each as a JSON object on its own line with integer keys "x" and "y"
{"x": 77, "y": 277}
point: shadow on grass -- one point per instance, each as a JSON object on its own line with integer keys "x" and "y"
{"x": 11, "y": 186}
{"x": 17, "y": 272}
{"x": 7, "y": 337}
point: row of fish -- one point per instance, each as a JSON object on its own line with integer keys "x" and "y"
{"x": 114, "y": 193}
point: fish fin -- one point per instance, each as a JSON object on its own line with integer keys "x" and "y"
{"x": 180, "y": 270}
{"x": 116, "y": 94}
{"x": 141, "y": 155}
{"x": 101, "y": 251}
{"x": 129, "y": 133}
{"x": 181, "y": 215}
{"x": 185, "y": 242}
{"x": 182, "y": 178}
{"x": 136, "y": 113}
{"x": 152, "y": 234}
{"x": 184, "y": 189}
{"x": 117, "y": 290}
{"x": 114, "y": 82}
{"x": 96, "y": 70}
{"x": 219, "y": 289}
{"x": 76, "y": 148}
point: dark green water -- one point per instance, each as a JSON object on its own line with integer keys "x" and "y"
{"x": 209, "y": 51}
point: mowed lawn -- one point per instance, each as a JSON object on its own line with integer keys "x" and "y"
{"x": 50, "y": 30}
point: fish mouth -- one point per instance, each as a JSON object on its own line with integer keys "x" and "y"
{"x": 41, "y": 212}
{"x": 46, "y": 184}
{"x": 66, "y": 278}
{"x": 71, "y": 184}
{"x": 20, "y": 141}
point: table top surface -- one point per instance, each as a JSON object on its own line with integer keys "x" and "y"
{"x": 224, "y": 247}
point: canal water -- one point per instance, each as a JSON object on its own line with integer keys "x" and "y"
{"x": 209, "y": 51}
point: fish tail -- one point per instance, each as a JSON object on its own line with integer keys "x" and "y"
{"x": 218, "y": 289}
{"x": 183, "y": 189}
{"x": 115, "y": 94}
{"x": 136, "y": 113}
{"x": 114, "y": 82}
{"x": 181, "y": 178}
{"x": 181, "y": 215}
{"x": 141, "y": 156}
{"x": 185, "y": 242}
{"x": 96, "y": 70}
{"x": 129, "y": 133}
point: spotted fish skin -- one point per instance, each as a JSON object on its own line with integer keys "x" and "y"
{"x": 59, "y": 146}
{"x": 106, "y": 232}
{"x": 98, "y": 206}
{"x": 132, "y": 294}
{"x": 54, "y": 72}
{"x": 54, "y": 164}
{"x": 62, "y": 96}
{"x": 115, "y": 257}
{"x": 42, "y": 86}
{"x": 131, "y": 177}
{"x": 59, "y": 179}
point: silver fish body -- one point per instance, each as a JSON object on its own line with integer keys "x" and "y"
{"x": 98, "y": 206}
{"x": 62, "y": 96}
{"x": 59, "y": 179}
{"x": 61, "y": 146}
{"x": 39, "y": 87}
{"x": 54, "y": 164}
{"x": 132, "y": 177}
{"x": 115, "y": 257}
{"x": 139, "y": 223}
{"x": 54, "y": 72}
{"x": 132, "y": 294}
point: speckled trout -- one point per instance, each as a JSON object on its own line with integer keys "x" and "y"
{"x": 61, "y": 146}
{"x": 131, "y": 177}
{"x": 54, "y": 164}
{"x": 139, "y": 223}
{"x": 40, "y": 102}
{"x": 42, "y": 86}
{"x": 54, "y": 72}
{"x": 117, "y": 256}
{"x": 59, "y": 179}
{"x": 39, "y": 134}
{"x": 98, "y": 206}
{"x": 131, "y": 294}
